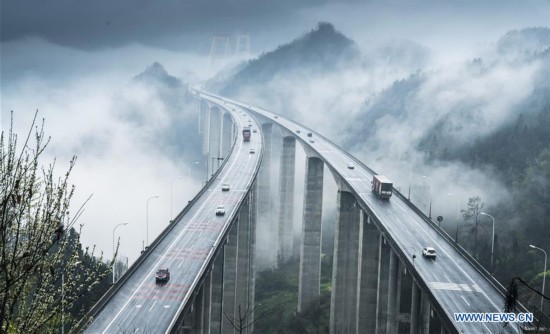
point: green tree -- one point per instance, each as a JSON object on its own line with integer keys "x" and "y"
{"x": 42, "y": 271}
{"x": 471, "y": 215}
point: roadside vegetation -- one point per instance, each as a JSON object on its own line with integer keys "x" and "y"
{"x": 47, "y": 279}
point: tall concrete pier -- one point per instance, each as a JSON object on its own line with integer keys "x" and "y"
{"x": 229, "y": 278}
{"x": 267, "y": 231}
{"x": 286, "y": 198}
{"x": 345, "y": 274}
{"x": 368, "y": 277}
{"x": 215, "y": 138}
{"x": 227, "y": 132}
{"x": 310, "y": 255}
{"x": 382, "y": 291}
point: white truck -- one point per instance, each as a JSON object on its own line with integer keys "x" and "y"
{"x": 382, "y": 186}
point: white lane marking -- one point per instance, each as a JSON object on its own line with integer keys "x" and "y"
{"x": 152, "y": 306}
{"x": 465, "y": 300}
{"x": 444, "y": 286}
{"x": 447, "y": 277}
{"x": 207, "y": 200}
{"x": 487, "y": 328}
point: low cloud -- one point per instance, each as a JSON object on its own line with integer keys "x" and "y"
{"x": 121, "y": 161}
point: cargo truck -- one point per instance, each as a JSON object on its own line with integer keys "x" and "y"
{"x": 382, "y": 186}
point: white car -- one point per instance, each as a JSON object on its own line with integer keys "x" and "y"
{"x": 225, "y": 187}
{"x": 428, "y": 252}
{"x": 220, "y": 210}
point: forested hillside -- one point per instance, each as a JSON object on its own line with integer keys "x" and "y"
{"x": 489, "y": 114}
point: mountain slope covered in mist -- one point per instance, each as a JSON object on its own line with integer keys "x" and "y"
{"x": 164, "y": 112}
{"x": 322, "y": 49}
{"x": 476, "y": 127}
{"x": 490, "y": 114}
{"x": 156, "y": 73}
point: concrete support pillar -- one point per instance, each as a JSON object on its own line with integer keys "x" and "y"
{"x": 227, "y": 131}
{"x": 393, "y": 294}
{"x": 198, "y": 312}
{"x": 415, "y": 309}
{"x": 188, "y": 325}
{"x": 204, "y": 117}
{"x": 345, "y": 268}
{"x": 252, "y": 265}
{"x": 198, "y": 103}
{"x": 382, "y": 296}
{"x": 207, "y": 296}
{"x": 229, "y": 278}
{"x": 425, "y": 314}
{"x": 215, "y": 138}
{"x": 310, "y": 254}
{"x": 368, "y": 283}
{"x": 405, "y": 299}
{"x": 286, "y": 198}
{"x": 243, "y": 267}
{"x": 216, "y": 295}
{"x": 267, "y": 231}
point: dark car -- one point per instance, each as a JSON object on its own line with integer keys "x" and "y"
{"x": 310, "y": 134}
{"x": 163, "y": 275}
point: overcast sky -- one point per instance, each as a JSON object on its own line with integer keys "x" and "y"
{"x": 72, "y": 60}
{"x": 189, "y": 24}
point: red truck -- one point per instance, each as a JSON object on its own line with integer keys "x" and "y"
{"x": 382, "y": 186}
{"x": 246, "y": 134}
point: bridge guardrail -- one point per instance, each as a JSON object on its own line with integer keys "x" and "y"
{"x": 100, "y": 304}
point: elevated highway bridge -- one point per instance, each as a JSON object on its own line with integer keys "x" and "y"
{"x": 377, "y": 284}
